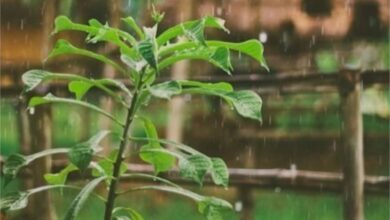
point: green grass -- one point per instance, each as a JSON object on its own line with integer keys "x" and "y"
{"x": 269, "y": 205}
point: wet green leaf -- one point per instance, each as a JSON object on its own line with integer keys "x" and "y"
{"x": 64, "y": 47}
{"x": 60, "y": 178}
{"x": 165, "y": 90}
{"x": 218, "y": 56}
{"x": 122, "y": 213}
{"x": 79, "y": 88}
{"x": 13, "y": 164}
{"x": 194, "y": 167}
{"x": 14, "y": 201}
{"x": 50, "y": 98}
{"x": 213, "y": 208}
{"x": 179, "y": 29}
{"x": 246, "y": 103}
{"x": 80, "y": 199}
{"x": 81, "y": 154}
{"x": 219, "y": 172}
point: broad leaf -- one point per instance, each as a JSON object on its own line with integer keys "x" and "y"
{"x": 160, "y": 159}
{"x": 148, "y": 48}
{"x": 247, "y": 103}
{"x": 33, "y": 78}
{"x": 107, "y": 166}
{"x": 213, "y": 208}
{"x": 116, "y": 83}
{"x": 131, "y": 22}
{"x": 14, "y": 201}
{"x": 194, "y": 167}
{"x": 16, "y": 161}
{"x": 79, "y": 88}
{"x": 122, "y": 213}
{"x": 60, "y": 178}
{"x": 219, "y": 172}
{"x": 147, "y": 51}
{"x": 206, "y": 87}
{"x": 80, "y": 199}
{"x": 50, "y": 98}
{"x": 221, "y": 58}
{"x": 252, "y": 48}
{"x": 64, "y": 47}
{"x": 195, "y": 32}
{"x": 81, "y": 154}
{"x": 96, "y": 31}
{"x": 218, "y": 56}
{"x": 165, "y": 90}
{"x": 133, "y": 63}
{"x": 13, "y": 164}
{"x": 180, "y": 28}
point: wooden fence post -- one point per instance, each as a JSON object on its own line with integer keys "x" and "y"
{"x": 352, "y": 139}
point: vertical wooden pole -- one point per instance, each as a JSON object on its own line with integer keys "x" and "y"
{"x": 245, "y": 192}
{"x": 247, "y": 200}
{"x": 352, "y": 139}
{"x": 40, "y": 129}
{"x": 106, "y": 103}
{"x": 176, "y": 106}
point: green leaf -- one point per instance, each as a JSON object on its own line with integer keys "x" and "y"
{"x": 50, "y": 98}
{"x": 116, "y": 83}
{"x": 148, "y": 48}
{"x": 16, "y": 161}
{"x": 13, "y": 201}
{"x": 161, "y": 160}
{"x": 60, "y": 178}
{"x": 33, "y": 78}
{"x": 247, "y": 103}
{"x": 220, "y": 86}
{"x": 194, "y": 167}
{"x": 165, "y": 90}
{"x": 122, "y": 213}
{"x": 195, "y": 31}
{"x": 64, "y": 47}
{"x": 134, "y": 64}
{"x": 96, "y": 32}
{"x": 218, "y": 56}
{"x": 180, "y": 28}
{"x": 81, "y": 154}
{"x": 131, "y": 22}
{"x": 221, "y": 58}
{"x": 13, "y": 164}
{"x": 80, "y": 88}
{"x": 213, "y": 208}
{"x": 150, "y": 130}
{"x": 62, "y": 23}
{"x": 219, "y": 172}
{"x": 80, "y": 199}
{"x": 252, "y": 48}
{"x": 107, "y": 166}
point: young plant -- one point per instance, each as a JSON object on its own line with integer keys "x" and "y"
{"x": 143, "y": 56}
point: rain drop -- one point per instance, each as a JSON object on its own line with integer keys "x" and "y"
{"x": 31, "y": 111}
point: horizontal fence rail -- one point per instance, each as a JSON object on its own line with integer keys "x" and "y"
{"x": 267, "y": 83}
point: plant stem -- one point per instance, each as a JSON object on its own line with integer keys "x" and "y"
{"x": 114, "y": 181}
